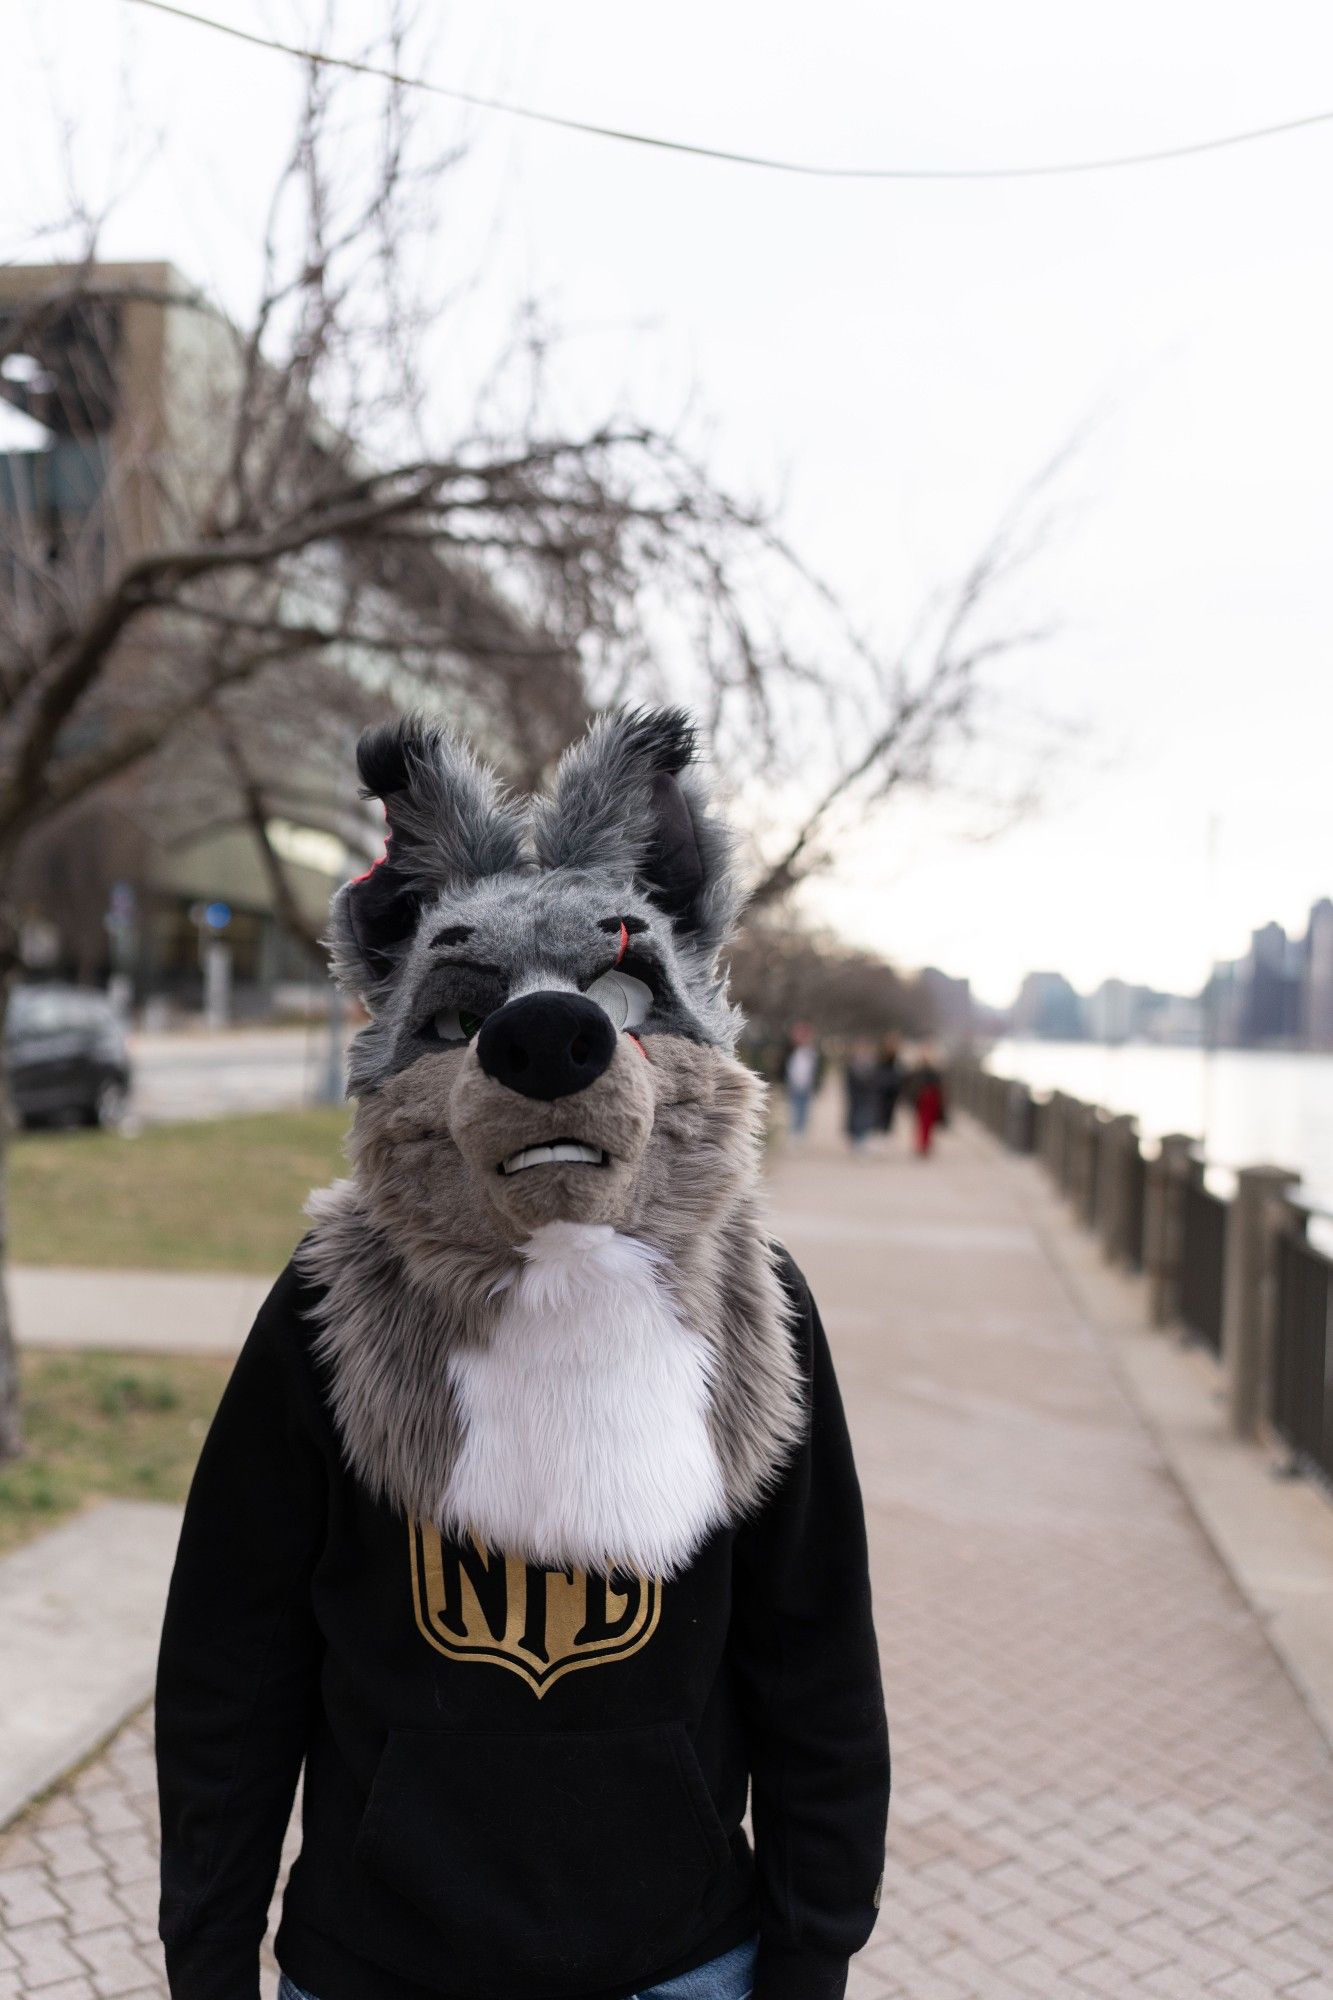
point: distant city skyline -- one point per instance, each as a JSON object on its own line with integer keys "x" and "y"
{"x": 1278, "y": 993}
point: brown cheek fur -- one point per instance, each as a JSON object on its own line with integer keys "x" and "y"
{"x": 615, "y": 1113}
{"x": 416, "y": 1184}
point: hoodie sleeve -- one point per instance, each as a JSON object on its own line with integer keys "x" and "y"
{"x": 808, "y": 1667}
{"x": 238, "y": 1662}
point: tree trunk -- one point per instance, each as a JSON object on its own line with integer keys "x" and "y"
{"x": 11, "y": 1423}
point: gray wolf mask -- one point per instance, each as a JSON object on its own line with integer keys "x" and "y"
{"x": 548, "y": 1310}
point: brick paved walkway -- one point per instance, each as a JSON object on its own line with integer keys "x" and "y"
{"x": 1105, "y": 1784}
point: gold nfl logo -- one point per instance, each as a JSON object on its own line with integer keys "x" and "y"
{"x": 474, "y": 1604}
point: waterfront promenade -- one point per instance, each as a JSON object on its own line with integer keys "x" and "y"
{"x": 1105, "y": 1781}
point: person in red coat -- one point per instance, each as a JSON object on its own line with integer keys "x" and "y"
{"x": 928, "y": 1101}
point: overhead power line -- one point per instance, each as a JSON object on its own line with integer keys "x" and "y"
{"x": 812, "y": 170}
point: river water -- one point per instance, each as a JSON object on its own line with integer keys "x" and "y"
{"x": 1248, "y": 1107}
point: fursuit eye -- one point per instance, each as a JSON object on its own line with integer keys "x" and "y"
{"x": 455, "y": 1024}
{"x": 622, "y": 996}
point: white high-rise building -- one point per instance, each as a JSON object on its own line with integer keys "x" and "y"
{"x": 1319, "y": 977}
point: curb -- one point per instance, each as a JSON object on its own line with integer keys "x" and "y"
{"x": 80, "y": 1613}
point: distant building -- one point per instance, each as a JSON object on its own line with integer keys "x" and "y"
{"x": 1179, "y": 1020}
{"x": 112, "y": 416}
{"x": 1271, "y": 1011}
{"x": 116, "y": 420}
{"x": 1279, "y": 995}
{"x": 1109, "y": 1012}
{"x": 1119, "y": 1012}
{"x": 1318, "y": 1022}
{"x": 1048, "y": 1008}
{"x": 950, "y": 1004}
{"x": 1222, "y": 1003}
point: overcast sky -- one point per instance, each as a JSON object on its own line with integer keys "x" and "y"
{"x": 896, "y": 359}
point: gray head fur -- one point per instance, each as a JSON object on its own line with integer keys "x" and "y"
{"x": 480, "y": 897}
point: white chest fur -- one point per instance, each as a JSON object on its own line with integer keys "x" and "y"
{"x": 584, "y": 1421}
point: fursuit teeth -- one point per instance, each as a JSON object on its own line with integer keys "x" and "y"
{"x": 571, "y": 1151}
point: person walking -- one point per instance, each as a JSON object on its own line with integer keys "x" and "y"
{"x": 889, "y": 1083}
{"x": 801, "y": 1073}
{"x": 861, "y": 1085}
{"x": 927, "y": 1087}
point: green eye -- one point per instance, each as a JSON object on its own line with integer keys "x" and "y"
{"x": 455, "y": 1024}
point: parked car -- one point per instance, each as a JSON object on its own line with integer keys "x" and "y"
{"x": 66, "y": 1057}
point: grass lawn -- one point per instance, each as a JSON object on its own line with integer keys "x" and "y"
{"x": 221, "y": 1194}
{"x": 113, "y": 1426}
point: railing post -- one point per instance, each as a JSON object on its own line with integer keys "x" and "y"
{"x": 1247, "y": 1308}
{"x": 1163, "y": 1226}
{"x": 1087, "y": 1163}
{"x": 1284, "y": 1216}
{"x": 1075, "y": 1148}
{"x": 1089, "y": 1130}
{"x": 1119, "y": 1136}
{"x": 1076, "y": 1175}
{"x": 1056, "y": 1137}
{"x": 1069, "y": 1111}
{"x": 1019, "y": 1118}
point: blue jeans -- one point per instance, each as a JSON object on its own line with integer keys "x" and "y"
{"x": 727, "y": 1978}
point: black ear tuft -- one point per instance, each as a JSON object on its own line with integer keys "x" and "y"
{"x": 663, "y": 738}
{"x": 387, "y": 753}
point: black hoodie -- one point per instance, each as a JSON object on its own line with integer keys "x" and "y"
{"x": 519, "y": 1784}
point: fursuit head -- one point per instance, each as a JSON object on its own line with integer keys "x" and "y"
{"x": 548, "y": 1306}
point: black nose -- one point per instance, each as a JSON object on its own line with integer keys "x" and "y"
{"x": 547, "y": 1044}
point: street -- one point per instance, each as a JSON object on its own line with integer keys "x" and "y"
{"x": 203, "y": 1075}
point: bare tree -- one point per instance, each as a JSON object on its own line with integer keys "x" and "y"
{"x": 219, "y": 567}
{"x": 784, "y": 971}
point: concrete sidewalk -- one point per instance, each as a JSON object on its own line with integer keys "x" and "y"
{"x": 170, "y": 1312}
{"x": 1106, "y": 1783}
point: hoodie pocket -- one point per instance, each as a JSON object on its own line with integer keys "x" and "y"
{"x": 562, "y": 1860}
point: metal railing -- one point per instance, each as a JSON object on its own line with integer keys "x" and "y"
{"x": 1237, "y": 1275}
{"x": 1202, "y": 1261}
{"x": 1301, "y": 1393}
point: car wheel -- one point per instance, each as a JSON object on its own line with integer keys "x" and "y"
{"x": 110, "y": 1105}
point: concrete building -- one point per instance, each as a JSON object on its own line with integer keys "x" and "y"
{"x": 1318, "y": 1016}
{"x": 112, "y": 398}
{"x": 1120, "y": 1012}
{"x": 1272, "y": 1006}
{"x": 1179, "y": 1021}
{"x": 118, "y": 399}
{"x": 1048, "y": 1008}
{"x": 950, "y": 1003}
{"x": 1279, "y": 995}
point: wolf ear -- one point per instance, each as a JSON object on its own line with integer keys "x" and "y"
{"x": 628, "y": 799}
{"x": 447, "y": 825}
